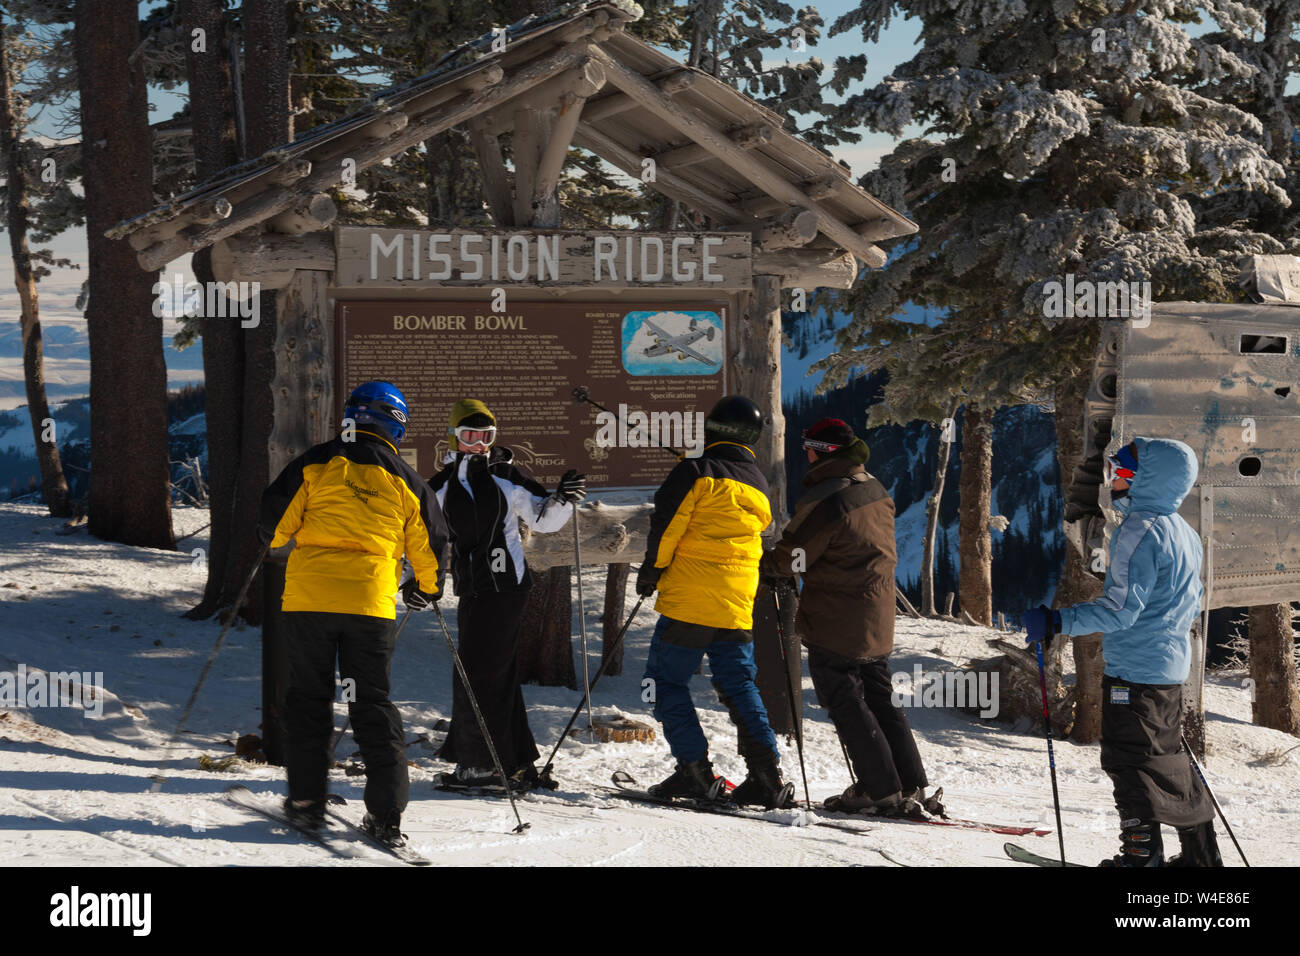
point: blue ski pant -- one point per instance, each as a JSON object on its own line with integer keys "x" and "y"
{"x": 676, "y": 651}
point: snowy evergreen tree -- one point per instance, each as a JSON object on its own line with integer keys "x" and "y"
{"x": 1057, "y": 140}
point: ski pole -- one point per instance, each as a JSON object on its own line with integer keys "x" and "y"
{"x": 789, "y": 689}
{"x": 1051, "y": 755}
{"x": 1201, "y": 773}
{"x": 580, "y": 395}
{"x": 586, "y": 700}
{"x": 348, "y": 722}
{"x": 582, "y": 620}
{"x": 853, "y": 778}
{"x": 478, "y": 715}
{"x": 194, "y": 694}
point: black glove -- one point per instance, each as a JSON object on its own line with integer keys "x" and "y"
{"x": 769, "y": 576}
{"x": 416, "y": 599}
{"x": 647, "y": 579}
{"x": 1040, "y": 624}
{"x": 573, "y": 487}
{"x": 775, "y": 582}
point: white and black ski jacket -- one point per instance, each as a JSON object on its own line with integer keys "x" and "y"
{"x": 483, "y": 498}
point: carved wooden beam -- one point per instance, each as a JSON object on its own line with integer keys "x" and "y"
{"x": 270, "y": 258}
{"x": 316, "y": 213}
{"x": 747, "y": 137}
{"x": 746, "y": 163}
{"x": 584, "y": 81}
{"x": 608, "y": 106}
{"x": 796, "y": 226}
{"x": 327, "y": 168}
{"x": 665, "y": 182}
{"x": 496, "y": 180}
{"x": 526, "y": 148}
{"x": 808, "y": 268}
{"x": 290, "y": 171}
{"x": 213, "y": 210}
{"x": 387, "y": 126}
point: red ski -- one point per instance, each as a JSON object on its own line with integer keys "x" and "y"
{"x": 938, "y": 821}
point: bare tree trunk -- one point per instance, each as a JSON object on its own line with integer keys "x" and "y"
{"x": 932, "y": 520}
{"x": 53, "y": 485}
{"x": 975, "y": 580}
{"x": 546, "y": 633}
{"x": 266, "y": 110}
{"x": 130, "y": 495}
{"x": 1276, "y": 701}
{"x": 1076, "y": 582}
{"x": 212, "y": 115}
{"x": 611, "y": 621}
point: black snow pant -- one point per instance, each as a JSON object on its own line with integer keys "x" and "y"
{"x": 1142, "y": 752}
{"x": 364, "y": 648}
{"x": 489, "y": 649}
{"x": 858, "y": 696}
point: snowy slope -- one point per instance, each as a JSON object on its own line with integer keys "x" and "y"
{"x": 76, "y": 790}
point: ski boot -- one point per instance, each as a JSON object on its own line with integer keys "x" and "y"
{"x": 856, "y": 799}
{"x": 1141, "y": 845}
{"x": 476, "y": 777}
{"x": 307, "y": 814}
{"x": 695, "y": 779}
{"x": 386, "y": 828}
{"x": 1199, "y": 845}
{"x": 529, "y": 777}
{"x": 931, "y": 805}
{"x": 764, "y": 787}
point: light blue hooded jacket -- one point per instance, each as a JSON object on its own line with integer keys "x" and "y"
{"x": 1153, "y": 582}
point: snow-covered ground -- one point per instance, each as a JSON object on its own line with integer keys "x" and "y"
{"x": 77, "y": 790}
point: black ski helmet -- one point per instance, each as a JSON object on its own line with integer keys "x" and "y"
{"x": 734, "y": 418}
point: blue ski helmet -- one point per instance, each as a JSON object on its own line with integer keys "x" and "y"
{"x": 381, "y": 406}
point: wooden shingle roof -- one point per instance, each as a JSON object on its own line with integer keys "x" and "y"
{"x": 714, "y": 149}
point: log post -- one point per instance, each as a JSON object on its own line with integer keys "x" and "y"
{"x": 611, "y": 658}
{"x": 546, "y": 632}
{"x": 754, "y": 343}
{"x": 303, "y": 388}
{"x": 270, "y": 259}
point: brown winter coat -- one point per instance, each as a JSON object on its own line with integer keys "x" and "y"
{"x": 845, "y": 526}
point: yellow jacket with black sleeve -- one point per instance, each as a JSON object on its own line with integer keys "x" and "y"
{"x": 354, "y": 508}
{"x": 705, "y": 541}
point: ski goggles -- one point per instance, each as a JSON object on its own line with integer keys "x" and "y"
{"x": 475, "y": 436}
{"x": 817, "y": 444}
{"x": 1116, "y": 469}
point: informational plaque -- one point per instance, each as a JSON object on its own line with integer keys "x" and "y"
{"x": 658, "y": 368}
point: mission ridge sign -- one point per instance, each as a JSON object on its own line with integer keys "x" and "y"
{"x": 401, "y": 258}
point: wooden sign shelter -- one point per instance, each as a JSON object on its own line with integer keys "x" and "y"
{"x": 781, "y": 214}
{"x": 570, "y": 78}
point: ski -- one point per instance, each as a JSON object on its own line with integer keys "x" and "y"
{"x": 445, "y": 783}
{"x": 407, "y": 856}
{"x": 945, "y": 821}
{"x": 245, "y": 799}
{"x": 1021, "y": 855}
{"x": 625, "y": 785}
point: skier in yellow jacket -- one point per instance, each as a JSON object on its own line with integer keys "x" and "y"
{"x": 354, "y": 508}
{"x": 702, "y": 555}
